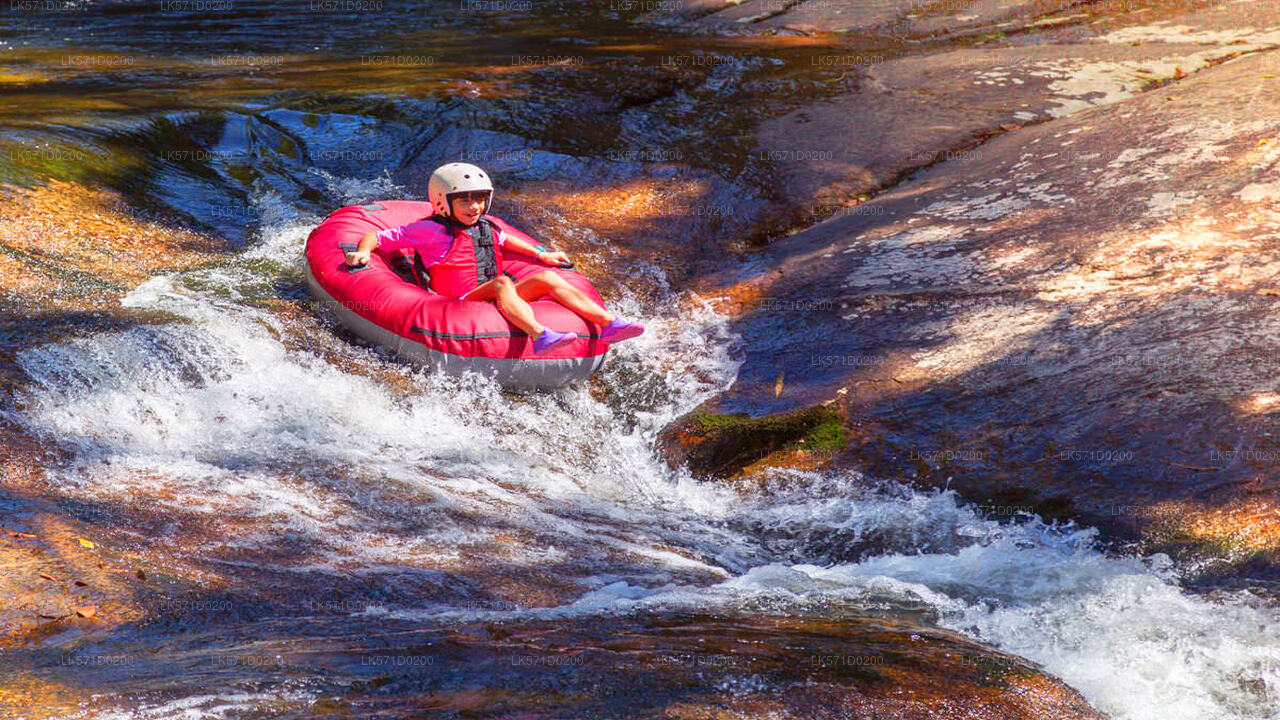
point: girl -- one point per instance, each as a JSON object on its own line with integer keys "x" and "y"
{"x": 462, "y": 247}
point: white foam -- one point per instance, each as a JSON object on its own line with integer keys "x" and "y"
{"x": 205, "y": 707}
{"x": 218, "y": 415}
{"x": 1119, "y": 629}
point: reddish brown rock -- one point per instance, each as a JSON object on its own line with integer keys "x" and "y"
{"x": 1077, "y": 320}
{"x": 674, "y": 666}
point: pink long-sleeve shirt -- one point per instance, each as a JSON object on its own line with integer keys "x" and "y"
{"x": 425, "y": 237}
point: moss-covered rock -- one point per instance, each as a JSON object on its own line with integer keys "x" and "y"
{"x": 715, "y": 445}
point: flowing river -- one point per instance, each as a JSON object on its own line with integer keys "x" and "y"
{"x": 374, "y": 541}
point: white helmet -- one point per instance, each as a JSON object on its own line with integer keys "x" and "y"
{"x": 456, "y": 177}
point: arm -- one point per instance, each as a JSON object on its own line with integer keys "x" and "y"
{"x": 510, "y": 242}
{"x": 360, "y": 256}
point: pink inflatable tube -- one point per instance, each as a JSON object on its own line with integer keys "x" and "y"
{"x": 379, "y": 304}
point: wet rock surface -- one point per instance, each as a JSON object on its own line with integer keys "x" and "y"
{"x": 901, "y": 114}
{"x": 906, "y": 18}
{"x": 915, "y": 112}
{"x": 664, "y": 666}
{"x": 1074, "y": 318}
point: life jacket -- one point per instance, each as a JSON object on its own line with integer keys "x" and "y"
{"x": 473, "y": 259}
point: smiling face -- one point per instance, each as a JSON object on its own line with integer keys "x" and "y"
{"x": 467, "y": 207}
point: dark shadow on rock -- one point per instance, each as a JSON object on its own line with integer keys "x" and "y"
{"x": 1020, "y": 346}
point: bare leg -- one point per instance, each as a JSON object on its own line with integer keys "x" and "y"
{"x": 549, "y": 283}
{"x": 513, "y": 307}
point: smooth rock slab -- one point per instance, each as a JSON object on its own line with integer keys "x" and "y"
{"x": 652, "y": 666}
{"x": 1081, "y": 319}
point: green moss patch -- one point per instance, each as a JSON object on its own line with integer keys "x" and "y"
{"x": 719, "y": 445}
